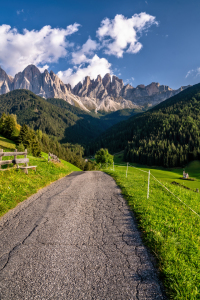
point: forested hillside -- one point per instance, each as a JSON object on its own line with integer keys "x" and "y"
{"x": 167, "y": 135}
{"x": 57, "y": 118}
{"x": 25, "y": 137}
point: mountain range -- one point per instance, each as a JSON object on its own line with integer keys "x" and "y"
{"x": 59, "y": 119}
{"x": 102, "y": 94}
{"x": 166, "y": 135}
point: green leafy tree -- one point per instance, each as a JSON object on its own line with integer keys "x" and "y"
{"x": 2, "y": 122}
{"x": 20, "y": 147}
{"x": 36, "y": 149}
{"x": 24, "y": 136}
{"x": 9, "y": 124}
{"x": 102, "y": 156}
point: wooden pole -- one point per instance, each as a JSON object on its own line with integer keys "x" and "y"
{"x": 127, "y": 169}
{"x": 15, "y": 156}
{"x": 148, "y": 184}
{"x": 25, "y": 156}
{"x": 1, "y": 150}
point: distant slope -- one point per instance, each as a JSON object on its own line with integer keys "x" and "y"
{"x": 167, "y": 135}
{"x": 56, "y": 117}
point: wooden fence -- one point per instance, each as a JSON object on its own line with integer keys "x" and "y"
{"x": 53, "y": 157}
{"x": 15, "y": 160}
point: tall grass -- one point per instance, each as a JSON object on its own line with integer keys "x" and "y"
{"x": 16, "y": 186}
{"x": 168, "y": 227}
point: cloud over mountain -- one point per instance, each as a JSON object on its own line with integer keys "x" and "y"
{"x": 37, "y": 47}
{"x": 81, "y": 56}
{"x": 96, "y": 66}
{"x": 48, "y": 45}
{"x": 121, "y": 34}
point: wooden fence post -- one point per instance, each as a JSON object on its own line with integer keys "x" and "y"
{"x": 15, "y": 156}
{"x": 1, "y": 150}
{"x": 25, "y": 156}
{"x": 148, "y": 184}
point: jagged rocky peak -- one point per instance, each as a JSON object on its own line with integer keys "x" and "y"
{"x": 99, "y": 79}
{"x": 77, "y": 87}
{"x": 106, "y": 80}
{"x": 108, "y": 93}
{"x": 3, "y": 75}
{"x": 116, "y": 79}
{"x": 116, "y": 86}
{"x": 46, "y": 72}
{"x": 68, "y": 86}
{"x": 5, "y": 78}
{"x": 31, "y": 71}
{"x": 140, "y": 86}
{"x": 86, "y": 81}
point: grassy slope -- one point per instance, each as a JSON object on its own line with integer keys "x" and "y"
{"x": 169, "y": 228}
{"x": 15, "y": 186}
{"x": 6, "y": 143}
{"x": 170, "y": 175}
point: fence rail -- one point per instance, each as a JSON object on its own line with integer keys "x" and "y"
{"x": 16, "y": 161}
{"x": 148, "y": 185}
{"x": 53, "y": 157}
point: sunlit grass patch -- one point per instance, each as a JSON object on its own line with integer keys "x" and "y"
{"x": 16, "y": 186}
{"x": 169, "y": 228}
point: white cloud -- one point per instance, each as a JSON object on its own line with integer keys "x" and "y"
{"x": 87, "y": 49}
{"x": 129, "y": 81}
{"x": 95, "y": 67}
{"x": 121, "y": 34}
{"x": 193, "y": 72}
{"x": 20, "y": 11}
{"x": 42, "y": 69}
{"x": 36, "y": 47}
{"x": 189, "y": 73}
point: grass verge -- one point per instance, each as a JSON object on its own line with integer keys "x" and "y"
{"x": 16, "y": 186}
{"x": 171, "y": 174}
{"x": 168, "y": 227}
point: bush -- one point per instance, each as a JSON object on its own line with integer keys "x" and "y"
{"x": 102, "y": 156}
{"x": 20, "y": 148}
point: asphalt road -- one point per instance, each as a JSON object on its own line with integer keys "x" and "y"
{"x": 75, "y": 239}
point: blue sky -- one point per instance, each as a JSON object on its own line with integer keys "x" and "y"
{"x": 139, "y": 41}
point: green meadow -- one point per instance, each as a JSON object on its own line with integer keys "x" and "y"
{"x": 16, "y": 186}
{"x": 169, "y": 228}
{"x": 170, "y": 175}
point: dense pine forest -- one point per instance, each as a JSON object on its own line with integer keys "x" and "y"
{"x": 168, "y": 135}
{"x": 57, "y": 118}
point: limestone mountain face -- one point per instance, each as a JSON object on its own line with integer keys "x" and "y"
{"x": 114, "y": 89}
{"x": 5, "y": 82}
{"x": 46, "y": 85}
{"x": 106, "y": 94}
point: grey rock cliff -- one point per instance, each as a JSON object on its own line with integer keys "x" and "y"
{"x": 114, "y": 89}
{"x": 107, "y": 93}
